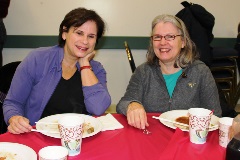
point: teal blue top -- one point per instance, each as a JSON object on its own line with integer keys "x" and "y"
{"x": 171, "y": 80}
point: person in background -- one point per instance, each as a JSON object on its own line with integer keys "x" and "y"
{"x": 172, "y": 78}
{"x": 62, "y": 78}
{"x": 4, "y": 5}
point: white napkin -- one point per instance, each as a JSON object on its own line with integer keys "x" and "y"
{"x": 109, "y": 122}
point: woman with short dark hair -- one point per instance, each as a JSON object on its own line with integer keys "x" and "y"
{"x": 62, "y": 78}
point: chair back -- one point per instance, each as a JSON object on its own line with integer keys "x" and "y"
{"x": 6, "y": 74}
{"x": 130, "y": 56}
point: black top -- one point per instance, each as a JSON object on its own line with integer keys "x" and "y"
{"x": 67, "y": 97}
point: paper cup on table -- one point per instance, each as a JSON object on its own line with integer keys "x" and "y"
{"x": 71, "y": 131}
{"x": 224, "y": 126}
{"x": 53, "y": 153}
{"x": 199, "y": 121}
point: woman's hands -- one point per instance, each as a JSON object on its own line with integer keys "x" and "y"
{"x": 88, "y": 76}
{"x": 19, "y": 124}
{"x": 136, "y": 115}
{"x": 84, "y": 61}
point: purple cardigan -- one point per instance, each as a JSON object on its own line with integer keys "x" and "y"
{"x": 36, "y": 79}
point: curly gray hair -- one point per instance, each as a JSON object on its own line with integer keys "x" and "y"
{"x": 187, "y": 55}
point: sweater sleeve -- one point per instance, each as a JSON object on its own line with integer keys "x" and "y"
{"x": 209, "y": 93}
{"x": 19, "y": 91}
{"x": 97, "y": 98}
{"x": 133, "y": 93}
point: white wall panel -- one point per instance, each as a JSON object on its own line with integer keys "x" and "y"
{"x": 124, "y": 17}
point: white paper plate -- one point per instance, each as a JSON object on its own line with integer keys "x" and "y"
{"x": 18, "y": 151}
{"x": 94, "y": 122}
{"x": 174, "y": 114}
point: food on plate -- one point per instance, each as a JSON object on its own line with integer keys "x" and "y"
{"x": 7, "y": 155}
{"x": 87, "y": 127}
{"x": 184, "y": 120}
{"x": 52, "y": 126}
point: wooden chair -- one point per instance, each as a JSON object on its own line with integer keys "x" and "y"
{"x": 6, "y": 74}
{"x": 130, "y": 56}
{"x": 237, "y": 47}
{"x": 224, "y": 70}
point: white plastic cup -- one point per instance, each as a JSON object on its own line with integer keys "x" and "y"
{"x": 224, "y": 126}
{"x": 53, "y": 153}
{"x": 199, "y": 121}
{"x": 71, "y": 131}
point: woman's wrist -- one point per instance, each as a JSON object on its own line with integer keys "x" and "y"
{"x": 85, "y": 67}
{"x": 83, "y": 62}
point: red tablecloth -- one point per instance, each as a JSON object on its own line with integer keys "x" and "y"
{"x": 130, "y": 143}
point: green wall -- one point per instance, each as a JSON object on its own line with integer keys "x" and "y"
{"x": 19, "y": 41}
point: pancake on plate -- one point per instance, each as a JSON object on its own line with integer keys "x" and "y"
{"x": 184, "y": 120}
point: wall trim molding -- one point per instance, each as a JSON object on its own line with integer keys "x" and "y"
{"x": 107, "y": 42}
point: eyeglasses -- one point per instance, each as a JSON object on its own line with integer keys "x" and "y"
{"x": 166, "y": 37}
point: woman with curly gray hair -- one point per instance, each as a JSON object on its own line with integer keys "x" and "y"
{"x": 187, "y": 54}
{"x": 172, "y": 78}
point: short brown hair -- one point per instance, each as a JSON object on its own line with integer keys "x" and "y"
{"x": 78, "y": 17}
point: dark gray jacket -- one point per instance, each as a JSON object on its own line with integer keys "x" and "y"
{"x": 196, "y": 87}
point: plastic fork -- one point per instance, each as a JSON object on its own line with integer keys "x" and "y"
{"x": 145, "y": 131}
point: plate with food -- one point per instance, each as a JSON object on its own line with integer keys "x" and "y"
{"x": 16, "y": 151}
{"x": 181, "y": 117}
{"x": 49, "y": 125}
